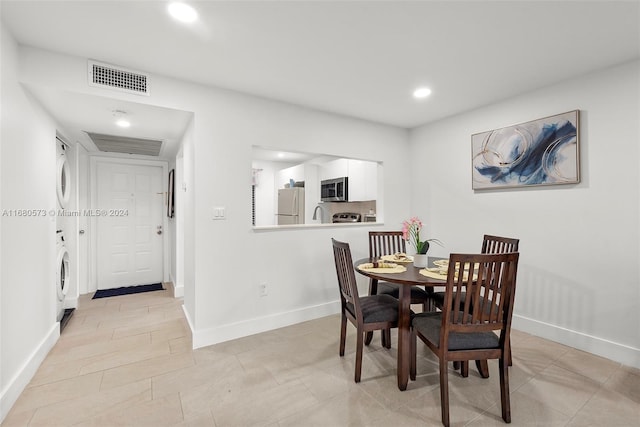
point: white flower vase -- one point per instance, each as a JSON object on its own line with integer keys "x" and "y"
{"x": 420, "y": 260}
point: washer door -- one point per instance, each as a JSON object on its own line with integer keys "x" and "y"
{"x": 63, "y": 181}
{"x": 62, "y": 279}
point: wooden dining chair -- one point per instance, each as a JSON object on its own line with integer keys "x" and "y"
{"x": 490, "y": 245}
{"x": 368, "y": 313}
{"x": 388, "y": 243}
{"x": 464, "y": 331}
{"x": 499, "y": 245}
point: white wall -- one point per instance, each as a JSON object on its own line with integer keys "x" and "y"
{"x": 177, "y": 224}
{"x": 186, "y": 215}
{"x": 27, "y": 284}
{"x": 578, "y": 280}
{"x": 181, "y": 224}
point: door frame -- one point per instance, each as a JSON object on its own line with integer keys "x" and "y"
{"x": 94, "y": 160}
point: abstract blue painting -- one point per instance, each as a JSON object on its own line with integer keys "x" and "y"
{"x": 539, "y": 152}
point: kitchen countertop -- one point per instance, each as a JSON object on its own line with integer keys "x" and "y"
{"x": 326, "y": 225}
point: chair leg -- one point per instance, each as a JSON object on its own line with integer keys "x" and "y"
{"x": 483, "y": 368}
{"x": 505, "y": 400}
{"x": 368, "y": 337}
{"x": 343, "y": 333}
{"x": 359, "y": 346}
{"x": 464, "y": 368}
{"x": 383, "y": 338}
{"x": 509, "y": 354}
{"x": 387, "y": 338}
{"x": 456, "y": 365}
{"x": 444, "y": 392}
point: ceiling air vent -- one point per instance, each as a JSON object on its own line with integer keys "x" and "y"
{"x": 123, "y": 144}
{"x": 104, "y": 75}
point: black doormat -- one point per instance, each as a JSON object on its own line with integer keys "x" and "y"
{"x": 104, "y": 293}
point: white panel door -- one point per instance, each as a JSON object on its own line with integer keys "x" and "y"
{"x": 129, "y": 214}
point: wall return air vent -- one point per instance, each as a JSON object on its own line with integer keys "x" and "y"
{"x": 118, "y": 78}
{"x": 126, "y": 145}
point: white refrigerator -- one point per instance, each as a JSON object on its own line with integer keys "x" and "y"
{"x": 290, "y": 206}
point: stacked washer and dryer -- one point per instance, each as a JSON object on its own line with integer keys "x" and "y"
{"x": 63, "y": 187}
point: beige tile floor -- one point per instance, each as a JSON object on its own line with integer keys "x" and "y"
{"x": 128, "y": 361}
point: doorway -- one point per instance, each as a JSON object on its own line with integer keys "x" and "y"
{"x": 128, "y": 205}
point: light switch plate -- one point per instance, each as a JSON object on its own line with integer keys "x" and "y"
{"x": 219, "y": 212}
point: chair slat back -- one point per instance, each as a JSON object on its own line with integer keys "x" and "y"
{"x": 385, "y": 243}
{"x": 346, "y": 275}
{"x": 489, "y": 281}
{"x": 499, "y": 245}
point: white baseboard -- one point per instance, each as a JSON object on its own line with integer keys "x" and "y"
{"x": 178, "y": 291}
{"x": 188, "y": 317}
{"x": 176, "y": 288}
{"x": 621, "y": 353}
{"x": 21, "y": 378}
{"x": 261, "y": 324}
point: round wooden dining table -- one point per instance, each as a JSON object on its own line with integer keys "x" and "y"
{"x": 411, "y": 277}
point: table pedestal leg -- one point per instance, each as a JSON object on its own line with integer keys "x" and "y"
{"x": 404, "y": 336}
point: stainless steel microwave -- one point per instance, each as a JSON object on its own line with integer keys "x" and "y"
{"x": 334, "y": 190}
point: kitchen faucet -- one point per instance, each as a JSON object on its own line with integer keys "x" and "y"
{"x": 315, "y": 213}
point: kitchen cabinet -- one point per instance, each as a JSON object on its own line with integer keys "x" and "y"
{"x": 334, "y": 169}
{"x": 362, "y": 174}
{"x": 363, "y": 180}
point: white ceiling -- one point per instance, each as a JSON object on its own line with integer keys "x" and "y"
{"x": 78, "y": 114}
{"x": 357, "y": 58}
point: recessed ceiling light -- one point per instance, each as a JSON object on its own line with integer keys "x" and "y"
{"x": 281, "y": 155}
{"x": 182, "y": 12}
{"x": 121, "y": 118}
{"x": 421, "y": 92}
{"x": 123, "y": 123}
